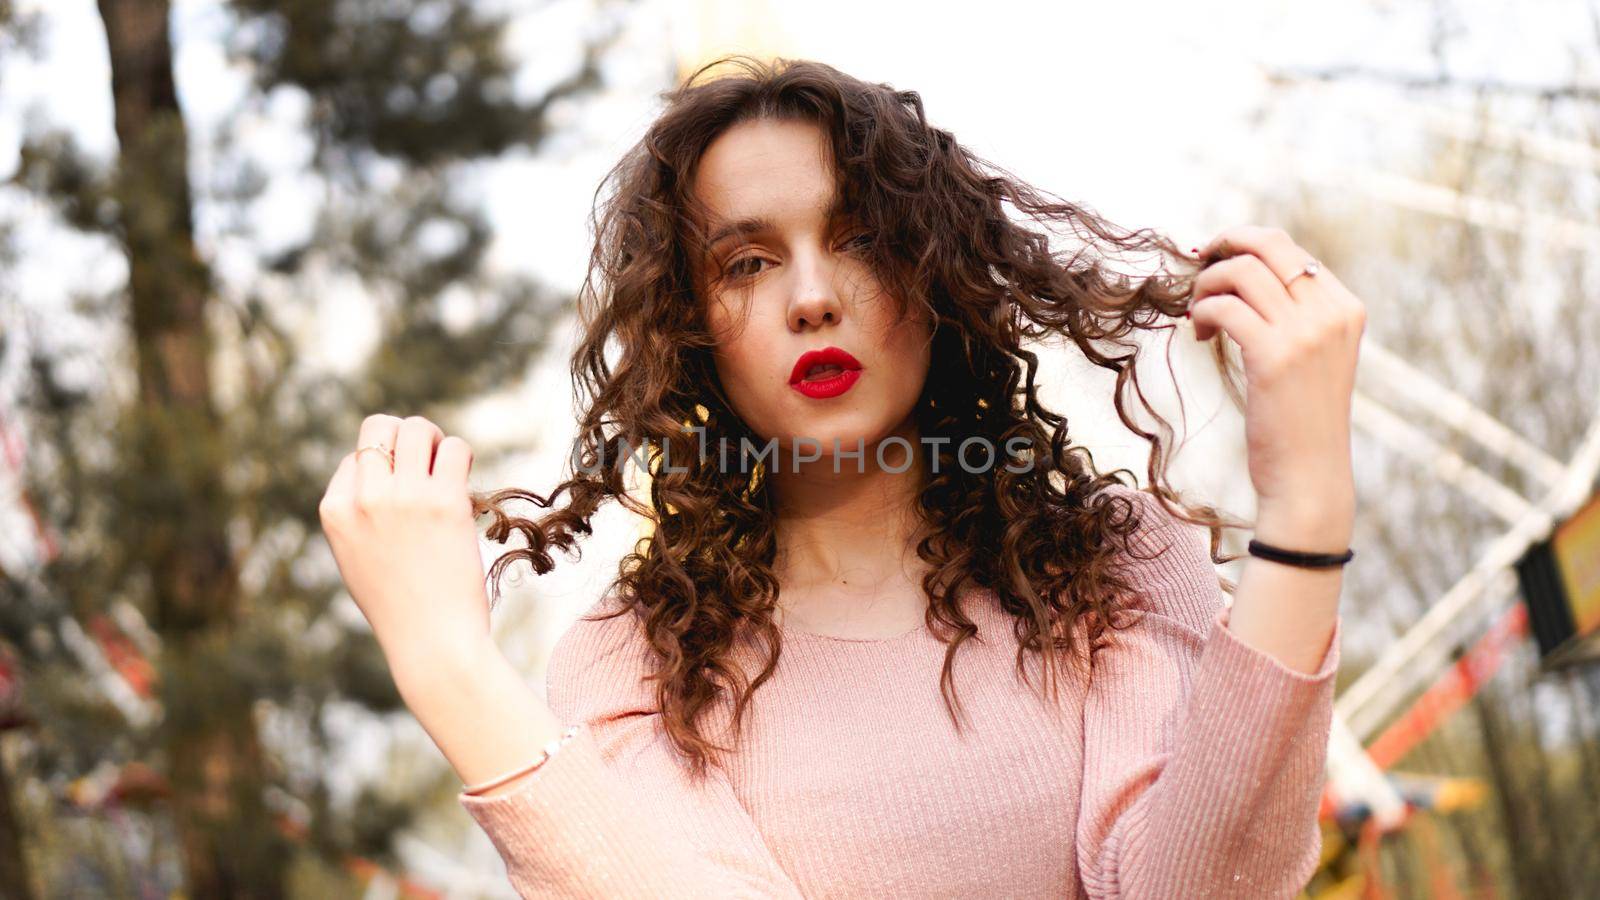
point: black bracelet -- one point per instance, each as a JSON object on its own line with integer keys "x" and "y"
{"x": 1297, "y": 558}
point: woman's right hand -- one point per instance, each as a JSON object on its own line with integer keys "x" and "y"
{"x": 406, "y": 540}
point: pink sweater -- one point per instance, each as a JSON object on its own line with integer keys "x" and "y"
{"x": 1187, "y": 764}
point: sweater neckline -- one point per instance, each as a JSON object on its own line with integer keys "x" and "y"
{"x": 790, "y": 631}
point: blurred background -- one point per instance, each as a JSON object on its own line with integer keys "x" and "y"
{"x": 230, "y": 230}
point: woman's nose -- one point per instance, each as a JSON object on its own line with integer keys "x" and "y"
{"x": 815, "y": 300}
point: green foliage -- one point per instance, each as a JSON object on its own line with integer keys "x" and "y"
{"x": 421, "y": 91}
{"x": 424, "y": 82}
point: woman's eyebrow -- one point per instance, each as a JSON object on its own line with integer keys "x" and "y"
{"x": 757, "y": 224}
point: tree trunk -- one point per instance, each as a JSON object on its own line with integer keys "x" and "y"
{"x": 1519, "y": 832}
{"x": 176, "y": 451}
{"x": 13, "y": 867}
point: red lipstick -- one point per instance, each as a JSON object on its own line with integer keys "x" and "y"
{"x": 820, "y": 374}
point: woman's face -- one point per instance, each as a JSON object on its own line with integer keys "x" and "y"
{"x": 800, "y": 282}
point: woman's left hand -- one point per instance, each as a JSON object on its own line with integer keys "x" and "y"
{"x": 1299, "y": 343}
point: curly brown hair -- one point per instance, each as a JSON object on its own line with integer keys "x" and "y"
{"x": 1045, "y": 540}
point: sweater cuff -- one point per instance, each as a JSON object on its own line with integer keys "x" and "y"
{"x": 549, "y": 789}
{"x": 1242, "y": 690}
{"x": 566, "y": 824}
{"x": 1238, "y": 654}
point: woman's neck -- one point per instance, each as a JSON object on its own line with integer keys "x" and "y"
{"x": 847, "y": 539}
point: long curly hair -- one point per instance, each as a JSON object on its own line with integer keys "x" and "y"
{"x": 1045, "y": 540}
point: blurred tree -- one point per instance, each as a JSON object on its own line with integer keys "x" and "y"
{"x": 185, "y": 490}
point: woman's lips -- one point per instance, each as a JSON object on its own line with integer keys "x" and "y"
{"x": 824, "y": 373}
{"x": 823, "y": 388}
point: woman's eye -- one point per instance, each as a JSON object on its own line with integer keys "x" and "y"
{"x": 749, "y": 266}
{"x": 738, "y": 269}
{"x": 861, "y": 239}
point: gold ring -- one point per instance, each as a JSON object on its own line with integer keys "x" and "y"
{"x": 1311, "y": 268}
{"x": 387, "y": 453}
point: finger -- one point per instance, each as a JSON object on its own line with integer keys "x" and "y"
{"x": 341, "y": 489}
{"x": 343, "y": 482}
{"x": 380, "y": 429}
{"x": 452, "y": 461}
{"x": 413, "y": 449}
{"x": 1231, "y": 314}
{"x": 1273, "y": 246}
{"x": 1247, "y": 277}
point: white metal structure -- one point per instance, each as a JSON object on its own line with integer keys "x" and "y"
{"x": 1411, "y": 662}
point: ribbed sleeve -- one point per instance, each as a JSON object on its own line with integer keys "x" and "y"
{"x": 613, "y": 813}
{"x": 1203, "y": 756}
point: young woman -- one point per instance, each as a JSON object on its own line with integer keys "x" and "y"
{"x": 824, "y": 672}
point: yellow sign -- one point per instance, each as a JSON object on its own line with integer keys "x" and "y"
{"x": 1576, "y": 546}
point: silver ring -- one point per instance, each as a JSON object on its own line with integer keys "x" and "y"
{"x": 1311, "y": 268}
{"x": 387, "y": 453}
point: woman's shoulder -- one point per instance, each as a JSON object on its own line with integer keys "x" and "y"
{"x": 601, "y": 664}
{"x": 607, "y": 627}
{"x": 1159, "y": 528}
{"x": 1169, "y": 566}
